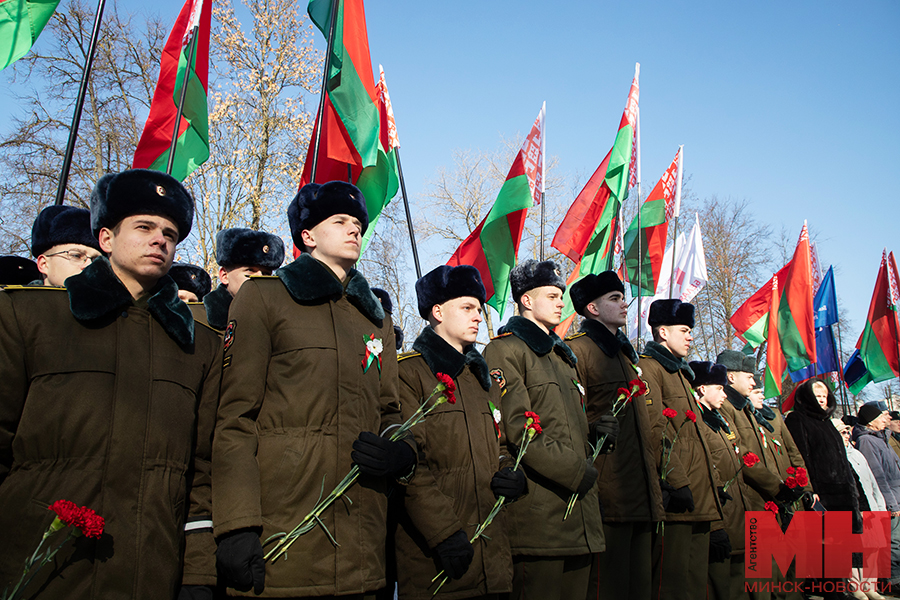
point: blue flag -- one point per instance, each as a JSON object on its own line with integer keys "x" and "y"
{"x": 825, "y": 303}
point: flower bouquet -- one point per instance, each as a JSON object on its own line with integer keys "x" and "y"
{"x": 668, "y": 446}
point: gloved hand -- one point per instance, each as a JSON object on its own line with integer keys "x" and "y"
{"x": 381, "y": 457}
{"x": 723, "y": 495}
{"x": 680, "y": 500}
{"x": 455, "y": 554}
{"x": 719, "y": 546}
{"x": 195, "y": 592}
{"x": 239, "y": 561}
{"x": 606, "y": 425}
{"x": 590, "y": 477}
{"x": 509, "y": 483}
{"x": 787, "y": 495}
{"x": 857, "y": 521}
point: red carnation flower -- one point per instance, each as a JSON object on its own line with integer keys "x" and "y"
{"x": 623, "y": 393}
{"x": 690, "y": 415}
{"x": 639, "y": 388}
{"x": 532, "y": 415}
{"x": 447, "y": 381}
{"x": 790, "y": 470}
{"x": 791, "y": 482}
{"x": 670, "y": 413}
{"x": 801, "y": 477}
{"x": 537, "y": 428}
{"x": 771, "y": 506}
{"x": 750, "y": 459}
{"x": 85, "y": 519}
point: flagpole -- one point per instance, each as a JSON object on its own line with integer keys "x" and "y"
{"x": 840, "y": 366}
{"x": 321, "y": 111}
{"x": 640, "y": 232}
{"x": 678, "y": 182}
{"x": 184, "y": 86}
{"x": 542, "y": 226}
{"x": 543, "y": 169}
{"x": 79, "y": 105}
{"x": 409, "y": 223}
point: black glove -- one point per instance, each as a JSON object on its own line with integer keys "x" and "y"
{"x": 239, "y": 561}
{"x": 380, "y": 456}
{"x": 509, "y": 483}
{"x": 606, "y": 425}
{"x": 857, "y": 521}
{"x": 723, "y": 496}
{"x": 787, "y": 495}
{"x": 195, "y": 592}
{"x": 590, "y": 477}
{"x": 681, "y": 500}
{"x": 455, "y": 554}
{"x": 719, "y": 546}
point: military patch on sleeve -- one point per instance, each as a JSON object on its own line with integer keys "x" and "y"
{"x": 229, "y": 334}
{"x": 497, "y": 375}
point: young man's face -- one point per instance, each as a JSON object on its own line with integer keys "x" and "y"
{"x": 61, "y": 262}
{"x": 457, "y": 320}
{"x": 187, "y": 296}
{"x": 234, "y": 277}
{"x": 609, "y": 309}
{"x": 143, "y": 247}
{"x": 757, "y": 396}
{"x": 741, "y": 381}
{"x": 337, "y": 239}
{"x": 677, "y": 338}
{"x": 712, "y": 396}
{"x": 546, "y": 304}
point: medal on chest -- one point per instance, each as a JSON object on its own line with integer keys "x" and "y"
{"x": 495, "y": 416}
{"x": 580, "y": 393}
{"x": 374, "y": 348}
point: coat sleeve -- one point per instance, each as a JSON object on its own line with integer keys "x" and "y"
{"x": 235, "y": 486}
{"x": 866, "y": 446}
{"x": 676, "y": 475}
{"x": 200, "y": 546}
{"x": 14, "y": 376}
{"x": 546, "y": 456}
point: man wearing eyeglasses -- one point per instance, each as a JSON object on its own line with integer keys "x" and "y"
{"x": 62, "y": 243}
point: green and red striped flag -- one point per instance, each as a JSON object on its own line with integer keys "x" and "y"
{"x": 879, "y": 343}
{"x": 352, "y": 144}
{"x": 752, "y": 317}
{"x": 21, "y": 22}
{"x": 796, "y": 317}
{"x": 647, "y": 245}
{"x": 587, "y": 233}
{"x": 192, "y": 147}
{"x": 775, "y": 360}
{"x": 494, "y": 245}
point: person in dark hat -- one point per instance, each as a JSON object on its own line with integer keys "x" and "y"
{"x": 535, "y": 371}
{"x": 108, "y": 400}
{"x": 894, "y": 435}
{"x": 681, "y": 552}
{"x": 62, "y": 243}
{"x": 388, "y": 307}
{"x": 309, "y": 383}
{"x": 628, "y": 486}
{"x": 193, "y": 282}
{"x": 463, "y": 460}
{"x": 17, "y": 270}
{"x": 241, "y": 253}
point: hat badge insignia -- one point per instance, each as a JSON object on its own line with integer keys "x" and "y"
{"x": 160, "y": 190}
{"x": 265, "y": 249}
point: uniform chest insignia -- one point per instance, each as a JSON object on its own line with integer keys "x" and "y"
{"x": 579, "y": 386}
{"x": 374, "y": 348}
{"x": 497, "y": 375}
{"x": 495, "y": 414}
{"x": 731, "y": 436}
{"x": 228, "y": 339}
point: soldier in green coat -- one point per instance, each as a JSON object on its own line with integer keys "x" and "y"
{"x": 535, "y": 371}
{"x": 62, "y": 243}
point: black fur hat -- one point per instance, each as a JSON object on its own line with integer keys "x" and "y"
{"x": 243, "y": 247}
{"x": 191, "y": 278}
{"x": 590, "y": 287}
{"x": 57, "y": 225}
{"x": 446, "y": 283}
{"x": 532, "y": 274}
{"x": 385, "y": 299}
{"x": 707, "y": 373}
{"x": 868, "y": 412}
{"x": 140, "y": 192}
{"x": 735, "y": 361}
{"x": 671, "y": 312}
{"x": 17, "y": 270}
{"x": 314, "y": 203}
{"x": 398, "y": 335}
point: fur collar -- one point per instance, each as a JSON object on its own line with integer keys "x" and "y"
{"x": 540, "y": 343}
{"x": 763, "y": 416}
{"x": 737, "y": 400}
{"x": 715, "y": 420}
{"x": 217, "y": 303}
{"x": 96, "y": 292}
{"x": 310, "y": 282}
{"x": 671, "y": 364}
{"x": 609, "y": 343}
{"x": 441, "y": 357}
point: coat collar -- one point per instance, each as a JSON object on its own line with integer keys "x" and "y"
{"x": 739, "y": 402}
{"x": 310, "y": 282}
{"x": 217, "y": 303}
{"x": 540, "y": 343}
{"x": 664, "y": 357}
{"x": 609, "y": 343}
{"x": 441, "y": 357}
{"x": 96, "y": 292}
{"x": 714, "y": 419}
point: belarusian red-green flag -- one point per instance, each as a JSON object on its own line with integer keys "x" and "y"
{"x": 21, "y": 22}
{"x": 775, "y": 360}
{"x": 493, "y": 246}
{"x": 192, "y": 147}
{"x": 752, "y": 317}
{"x": 796, "y": 318}
{"x": 649, "y": 242}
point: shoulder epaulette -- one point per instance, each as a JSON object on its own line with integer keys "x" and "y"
{"x": 502, "y": 335}
{"x": 646, "y": 356}
{"x": 195, "y": 303}
{"x": 263, "y": 277}
{"x": 406, "y": 355}
{"x": 32, "y": 287}
{"x": 575, "y": 336}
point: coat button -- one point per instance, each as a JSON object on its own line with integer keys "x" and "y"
{"x": 125, "y": 314}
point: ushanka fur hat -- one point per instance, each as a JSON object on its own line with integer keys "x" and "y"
{"x": 590, "y": 287}
{"x": 241, "y": 247}
{"x": 735, "y": 361}
{"x": 385, "y": 300}
{"x": 707, "y": 373}
{"x": 671, "y": 312}
{"x": 140, "y": 192}
{"x": 532, "y": 274}
{"x": 191, "y": 278}
{"x": 17, "y": 270}
{"x": 57, "y": 225}
{"x": 446, "y": 283}
{"x": 314, "y": 203}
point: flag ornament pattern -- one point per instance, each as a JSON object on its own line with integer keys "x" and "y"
{"x": 533, "y": 156}
{"x": 21, "y": 22}
{"x": 775, "y": 360}
{"x": 796, "y": 318}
